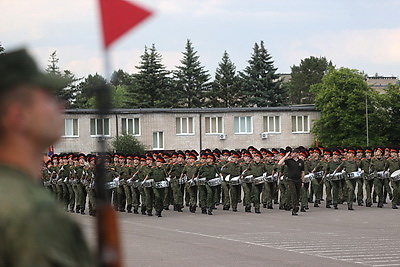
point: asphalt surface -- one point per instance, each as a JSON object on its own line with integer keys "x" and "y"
{"x": 319, "y": 237}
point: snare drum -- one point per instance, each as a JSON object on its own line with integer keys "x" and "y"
{"x": 382, "y": 175}
{"x": 248, "y": 179}
{"x": 111, "y": 185}
{"x": 319, "y": 174}
{"x": 337, "y": 176}
{"x": 182, "y": 180}
{"x": 201, "y": 181}
{"x": 309, "y": 177}
{"x": 259, "y": 180}
{"x": 235, "y": 181}
{"x": 191, "y": 182}
{"x": 395, "y": 176}
{"x": 214, "y": 182}
{"x": 353, "y": 175}
{"x": 161, "y": 184}
{"x": 270, "y": 178}
{"x": 135, "y": 184}
{"x": 148, "y": 183}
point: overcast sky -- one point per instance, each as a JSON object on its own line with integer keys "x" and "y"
{"x": 359, "y": 34}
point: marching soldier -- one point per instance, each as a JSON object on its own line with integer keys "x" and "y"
{"x": 257, "y": 169}
{"x": 350, "y": 165}
{"x": 156, "y": 195}
{"x": 360, "y": 181}
{"x": 226, "y": 202}
{"x": 80, "y": 173}
{"x": 177, "y": 184}
{"x": 234, "y": 169}
{"x": 379, "y": 166}
{"x": 316, "y": 167}
{"x": 269, "y": 187}
{"x": 295, "y": 172}
{"x": 191, "y": 171}
{"x": 333, "y": 167}
{"x": 365, "y": 165}
{"x": 247, "y": 184}
{"x": 209, "y": 171}
{"x": 394, "y": 165}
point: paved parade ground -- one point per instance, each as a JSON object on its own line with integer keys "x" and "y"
{"x": 319, "y": 237}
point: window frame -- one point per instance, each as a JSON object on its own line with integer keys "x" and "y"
{"x": 96, "y": 127}
{"x": 158, "y": 140}
{"x": 65, "y": 128}
{"x": 303, "y": 123}
{"x": 133, "y": 126}
{"x": 217, "y": 118}
{"x": 240, "y": 132}
{"x": 266, "y": 128}
{"x": 189, "y": 131}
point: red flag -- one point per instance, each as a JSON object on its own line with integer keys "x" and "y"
{"x": 119, "y": 16}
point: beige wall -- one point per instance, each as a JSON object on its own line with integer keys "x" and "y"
{"x": 166, "y": 122}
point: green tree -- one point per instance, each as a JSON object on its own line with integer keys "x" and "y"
{"x": 191, "y": 79}
{"x": 391, "y": 100}
{"x": 310, "y": 71}
{"x": 260, "y": 84}
{"x": 119, "y": 95}
{"x": 67, "y": 90}
{"x": 86, "y": 91}
{"x": 152, "y": 85}
{"x": 127, "y": 144}
{"x": 341, "y": 98}
{"x": 225, "y": 87}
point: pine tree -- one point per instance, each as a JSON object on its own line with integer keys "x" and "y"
{"x": 191, "y": 79}
{"x": 152, "y": 83}
{"x": 260, "y": 84}
{"x": 67, "y": 90}
{"x": 225, "y": 87}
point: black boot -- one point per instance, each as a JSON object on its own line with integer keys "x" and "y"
{"x": 210, "y": 211}
{"x": 257, "y": 210}
{"x": 303, "y": 209}
{"x": 270, "y": 207}
{"x": 350, "y": 206}
{"x": 159, "y": 214}
{"x": 149, "y": 213}
{"x": 135, "y": 211}
{"x": 129, "y": 208}
{"x": 143, "y": 212}
{"x": 203, "y": 211}
{"x": 78, "y": 209}
{"x": 335, "y": 206}
{"x": 394, "y": 207}
{"x": 234, "y": 209}
{"x": 264, "y": 206}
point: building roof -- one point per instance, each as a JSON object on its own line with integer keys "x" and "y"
{"x": 306, "y": 107}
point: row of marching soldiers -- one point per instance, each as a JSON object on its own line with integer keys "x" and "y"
{"x": 157, "y": 181}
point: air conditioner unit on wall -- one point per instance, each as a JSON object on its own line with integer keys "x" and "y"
{"x": 222, "y": 136}
{"x": 264, "y": 135}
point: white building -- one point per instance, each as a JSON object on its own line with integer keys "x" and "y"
{"x": 196, "y": 128}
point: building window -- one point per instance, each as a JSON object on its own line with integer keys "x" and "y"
{"x": 71, "y": 128}
{"x": 184, "y": 126}
{"x": 300, "y": 124}
{"x": 99, "y": 127}
{"x": 130, "y": 126}
{"x": 158, "y": 140}
{"x": 243, "y": 125}
{"x": 272, "y": 124}
{"x": 214, "y": 125}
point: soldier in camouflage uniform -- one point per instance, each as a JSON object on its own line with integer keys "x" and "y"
{"x": 378, "y": 165}
{"x": 33, "y": 229}
{"x": 191, "y": 171}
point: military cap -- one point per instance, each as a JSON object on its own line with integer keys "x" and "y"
{"x": 246, "y": 154}
{"x": 235, "y": 155}
{"x": 275, "y": 151}
{"x": 351, "y": 150}
{"x": 181, "y": 154}
{"x": 257, "y": 153}
{"x": 160, "y": 159}
{"x": 226, "y": 152}
{"x": 195, "y": 152}
{"x": 82, "y": 156}
{"x": 211, "y": 156}
{"x": 192, "y": 156}
{"x": 359, "y": 150}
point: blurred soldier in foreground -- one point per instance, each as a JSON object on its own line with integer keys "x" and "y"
{"x": 34, "y": 231}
